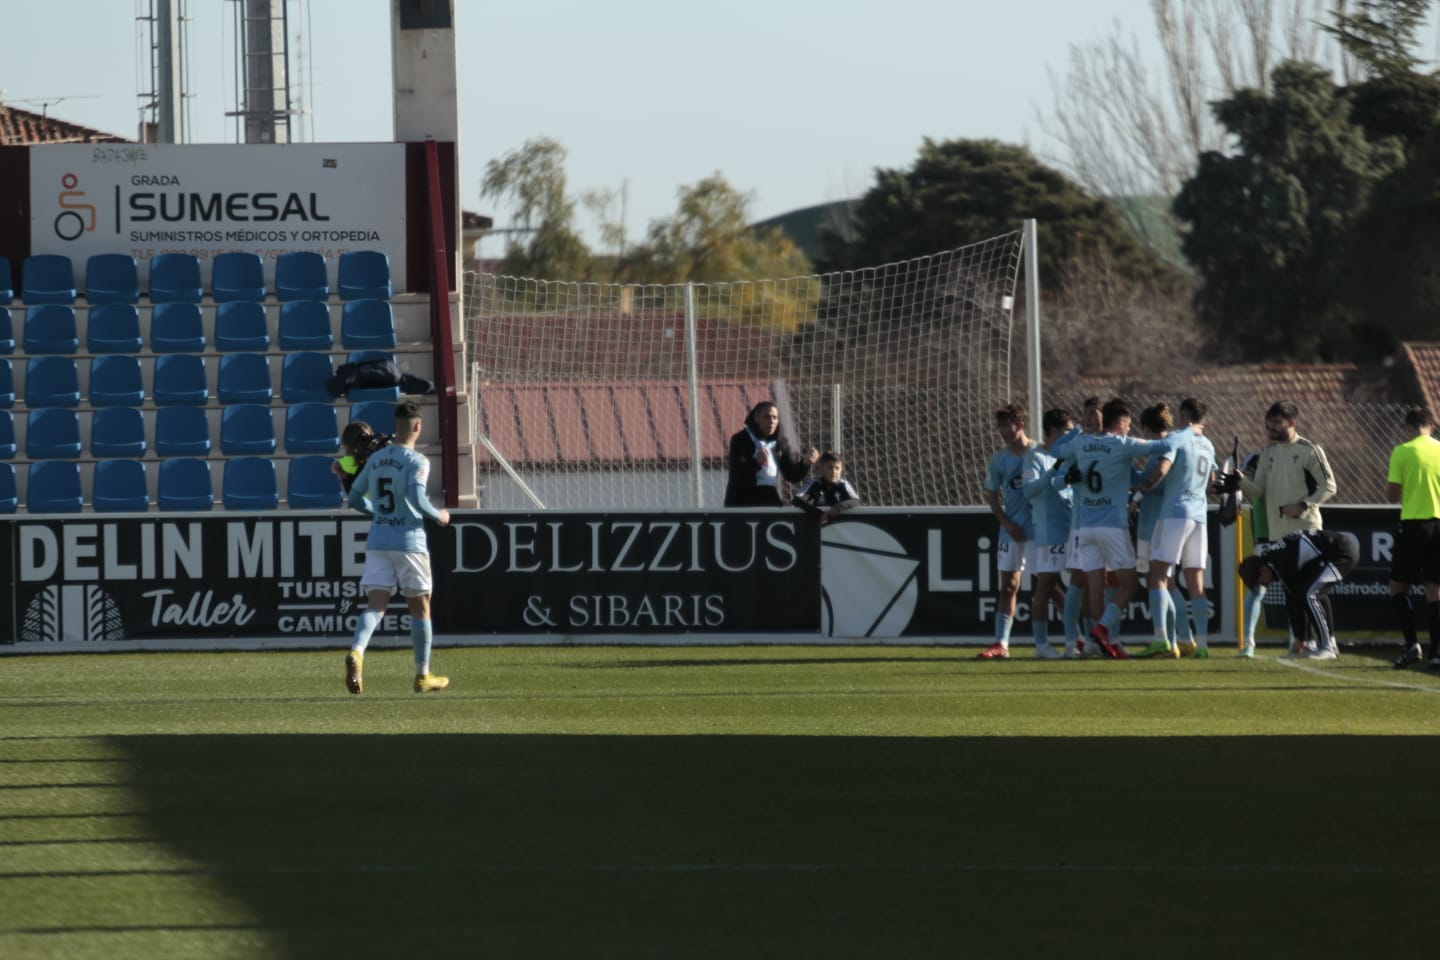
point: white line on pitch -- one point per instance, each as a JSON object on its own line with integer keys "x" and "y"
{"x": 1295, "y": 665}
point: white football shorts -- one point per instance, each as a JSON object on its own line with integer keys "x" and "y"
{"x": 1010, "y": 555}
{"x": 1044, "y": 557}
{"x": 392, "y": 569}
{"x": 1103, "y": 548}
{"x": 1180, "y": 542}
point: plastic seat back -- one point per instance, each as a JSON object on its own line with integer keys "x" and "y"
{"x": 9, "y": 498}
{"x": 364, "y": 274}
{"x": 184, "y": 484}
{"x": 111, "y": 278}
{"x": 182, "y": 431}
{"x": 380, "y": 414}
{"x": 119, "y": 487}
{"x": 303, "y": 376}
{"x": 247, "y": 429}
{"x": 7, "y": 384}
{"x": 51, "y": 382}
{"x": 116, "y": 381}
{"x": 300, "y": 275}
{"x": 249, "y": 484}
{"x": 7, "y": 435}
{"x": 175, "y": 278}
{"x": 180, "y": 378}
{"x": 53, "y": 486}
{"x": 7, "y": 283}
{"x": 47, "y": 278}
{"x": 52, "y": 433}
{"x": 244, "y": 378}
{"x": 50, "y": 328}
{"x": 367, "y": 325}
{"x": 119, "y": 432}
{"x": 113, "y": 328}
{"x": 237, "y": 276}
{"x": 177, "y": 328}
{"x": 311, "y": 484}
{"x": 305, "y": 325}
{"x": 240, "y": 325}
{"x": 311, "y": 428}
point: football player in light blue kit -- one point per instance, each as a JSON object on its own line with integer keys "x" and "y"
{"x": 1102, "y": 522}
{"x": 1050, "y": 510}
{"x": 1157, "y": 423}
{"x": 1187, "y": 471}
{"x": 390, "y": 489}
{"x": 1005, "y": 494}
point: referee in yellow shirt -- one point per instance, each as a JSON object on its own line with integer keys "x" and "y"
{"x": 1414, "y": 483}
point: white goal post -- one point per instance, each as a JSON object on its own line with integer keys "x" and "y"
{"x": 612, "y": 396}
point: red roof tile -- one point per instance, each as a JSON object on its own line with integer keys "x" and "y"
{"x": 19, "y": 127}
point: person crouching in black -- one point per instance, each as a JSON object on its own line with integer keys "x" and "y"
{"x": 760, "y": 456}
{"x": 1308, "y": 562}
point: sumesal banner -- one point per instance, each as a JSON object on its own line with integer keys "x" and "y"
{"x": 269, "y": 199}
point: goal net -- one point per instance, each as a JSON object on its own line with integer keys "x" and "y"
{"x": 601, "y": 396}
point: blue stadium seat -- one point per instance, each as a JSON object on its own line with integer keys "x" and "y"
{"x": 51, "y": 382}
{"x": 111, "y": 278}
{"x": 113, "y": 328}
{"x": 7, "y": 333}
{"x": 249, "y": 484}
{"x": 237, "y": 276}
{"x": 303, "y": 376}
{"x": 175, "y": 278}
{"x": 50, "y": 328}
{"x": 7, "y": 282}
{"x": 179, "y": 378}
{"x": 247, "y": 429}
{"x": 52, "y": 433}
{"x": 119, "y": 487}
{"x": 54, "y": 487}
{"x": 244, "y": 378}
{"x": 115, "y": 381}
{"x": 311, "y": 428}
{"x": 177, "y": 328}
{"x": 364, "y": 275}
{"x": 305, "y": 325}
{"x": 7, "y": 435}
{"x": 184, "y": 484}
{"x": 182, "y": 431}
{"x": 9, "y": 499}
{"x": 311, "y": 484}
{"x": 7, "y": 384}
{"x": 362, "y": 394}
{"x": 300, "y": 275}
{"x": 367, "y": 325}
{"x": 240, "y": 325}
{"x": 380, "y": 414}
{"x": 47, "y": 278}
{"x": 119, "y": 432}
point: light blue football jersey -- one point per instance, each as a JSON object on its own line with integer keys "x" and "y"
{"x": 391, "y": 490}
{"x": 1050, "y": 504}
{"x": 1188, "y": 482}
{"x": 1106, "y": 461}
{"x": 1004, "y": 475}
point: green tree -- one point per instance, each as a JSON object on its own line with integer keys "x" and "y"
{"x": 1381, "y": 34}
{"x": 532, "y": 178}
{"x": 961, "y": 191}
{"x": 709, "y": 239}
{"x": 1269, "y": 223}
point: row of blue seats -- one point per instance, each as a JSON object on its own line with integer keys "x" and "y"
{"x": 248, "y": 483}
{"x": 53, "y": 433}
{"x": 115, "y": 278}
{"x": 120, "y": 380}
{"x": 179, "y": 328}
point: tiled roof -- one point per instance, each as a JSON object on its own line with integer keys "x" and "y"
{"x": 23, "y": 127}
{"x": 1354, "y": 412}
{"x": 1424, "y": 362}
{"x": 610, "y": 422}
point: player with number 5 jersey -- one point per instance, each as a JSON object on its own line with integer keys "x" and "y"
{"x": 390, "y": 489}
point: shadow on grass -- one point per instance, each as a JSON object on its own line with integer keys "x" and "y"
{"x": 569, "y": 846}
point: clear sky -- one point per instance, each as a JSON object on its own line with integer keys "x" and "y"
{"x": 794, "y": 102}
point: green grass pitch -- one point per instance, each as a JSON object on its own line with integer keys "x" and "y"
{"x": 702, "y": 802}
